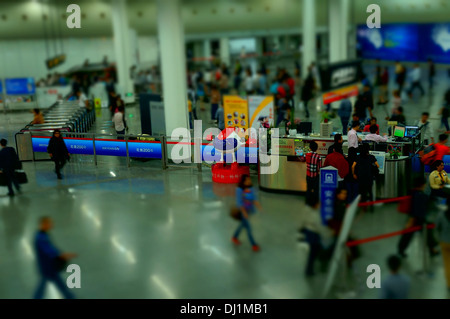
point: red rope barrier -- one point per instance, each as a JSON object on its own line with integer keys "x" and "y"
{"x": 390, "y": 200}
{"x": 396, "y": 233}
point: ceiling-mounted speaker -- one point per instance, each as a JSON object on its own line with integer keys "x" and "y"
{"x": 24, "y": 17}
{"x": 83, "y": 15}
{"x": 102, "y": 15}
{"x": 4, "y": 17}
{"x": 213, "y": 11}
{"x": 194, "y": 12}
{"x": 232, "y": 10}
{"x": 140, "y": 14}
{"x": 267, "y": 8}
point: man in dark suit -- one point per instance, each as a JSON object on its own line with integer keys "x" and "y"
{"x": 9, "y": 161}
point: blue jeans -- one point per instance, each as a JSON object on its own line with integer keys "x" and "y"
{"x": 245, "y": 224}
{"x": 444, "y": 122}
{"x": 59, "y": 283}
{"x": 280, "y": 117}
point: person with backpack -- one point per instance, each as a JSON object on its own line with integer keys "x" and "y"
{"x": 246, "y": 202}
{"x": 427, "y": 128}
{"x": 441, "y": 147}
{"x": 417, "y": 217}
{"x": 58, "y": 152}
{"x": 9, "y": 161}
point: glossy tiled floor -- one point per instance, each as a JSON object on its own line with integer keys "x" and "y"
{"x": 142, "y": 232}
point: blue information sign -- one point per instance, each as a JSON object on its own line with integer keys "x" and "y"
{"x": 1, "y": 87}
{"x": 40, "y": 144}
{"x": 20, "y": 86}
{"x": 110, "y": 148}
{"x": 144, "y": 149}
{"x": 328, "y": 185}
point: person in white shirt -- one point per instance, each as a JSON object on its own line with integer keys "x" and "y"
{"x": 415, "y": 74}
{"x": 352, "y": 138}
{"x": 427, "y": 129}
{"x": 81, "y": 98}
{"x": 373, "y": 136}
{"x": 119, "y": 123}
{"x": 249, "y": 82}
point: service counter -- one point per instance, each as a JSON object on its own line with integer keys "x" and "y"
{"x": 291, "y": 175}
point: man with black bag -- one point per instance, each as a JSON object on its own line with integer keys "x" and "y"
{"x": 9, "y": 161}
{"x": 50, "y": 261}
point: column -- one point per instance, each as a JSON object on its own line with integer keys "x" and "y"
{"x": 198, "y": 49}
{"x": 338, "y": 29}
{"x": 134, "y": 58}
{"x": 225, "y": 51}
{"x": 122, "y": 49}
{"x": 173, "y": 64}
{"x": 309, "y": 35}
{"x": 259, "y": 46}
{"x": 207, "y": 51}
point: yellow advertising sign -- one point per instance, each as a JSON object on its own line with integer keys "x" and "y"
{"x": 235, "y": 112}
{"x": 98, "y": 103}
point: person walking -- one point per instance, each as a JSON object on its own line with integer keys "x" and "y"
{"x": 9, "y": 161}
{"x": 415, "y": 75}
{"x": 443, "y": 230}
{"x": 396, "y": 285}
{"x": 418, "y": 217}
{"x": 307, "y": 91}
{"x": 431, "y": 73}
{"x": 49, "y": 259}
{"x": 344, "y": 112}
{"x": 119, "y": 123}
{"x": 215, "y": 100}
{"x": 58, "y": 152}
{"x": 400, "y": 75}
{"x": 246, "y": 202}
{"x": 313, "y": 166}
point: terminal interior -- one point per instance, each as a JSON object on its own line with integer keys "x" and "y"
{"x": 145, "y": 228}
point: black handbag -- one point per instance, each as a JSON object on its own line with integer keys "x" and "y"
{"x": 60, "y": 264}
{"x": 235, "y": 213}
{"x": 21, "y": 176}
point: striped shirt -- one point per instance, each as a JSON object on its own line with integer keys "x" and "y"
{"x": 313, "y": 164}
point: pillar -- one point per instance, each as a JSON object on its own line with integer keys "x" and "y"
{"x": 309, "y": 35}
{"x": 173, "y": 64}
{"x": 207, "y": 51}
{"x": 338, "y": 29}
{"x": 122, "y": 49}
{"x": 225, "y": 51}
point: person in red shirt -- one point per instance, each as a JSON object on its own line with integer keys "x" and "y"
{"x": 373, "y": 121}
{"x": 441, "y": 148}
{"x": 338, "y": 161}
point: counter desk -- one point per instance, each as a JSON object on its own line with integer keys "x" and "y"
{"x": 291, "y": 174}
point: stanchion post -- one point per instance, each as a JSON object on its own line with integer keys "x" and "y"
{"x": 95, "y": 153}
{"x": 128, "y": 153}
{"x": 198, "y": 153}
{"x": 164, "y": 152}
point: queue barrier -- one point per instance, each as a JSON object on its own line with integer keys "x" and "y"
{"x": 30, "y": 143}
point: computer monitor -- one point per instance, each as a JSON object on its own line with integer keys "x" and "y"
{"x": 411, "y": 131}
{"x": 399, "y": 131}
{"x": 304, "y": 128}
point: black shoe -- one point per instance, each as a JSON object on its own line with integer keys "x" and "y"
{"x": 60, "y": 176}
{"x": 435, "y": 253}
{"x": 10, "y": 194}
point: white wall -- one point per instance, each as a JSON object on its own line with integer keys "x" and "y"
{"x": 26, "y": 58}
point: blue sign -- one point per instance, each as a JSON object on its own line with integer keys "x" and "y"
{"x": 79, "y": 146}
{"x": 328, "y": 185}
{"x": 144, "y": 149}
{"x": 391, "y": 42}
{"x": 1, "y": 87}
{"x": 247, "y": 155}
{"x": 435, "y": 42}
{"x": 110, "y": 147}
{"x": 20, "y": 86}
{"x": 40, "y": 144}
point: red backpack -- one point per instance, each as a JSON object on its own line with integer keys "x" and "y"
{"x": 428, "y": 155}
